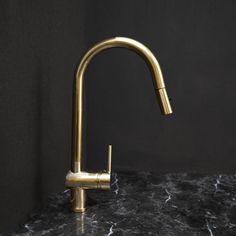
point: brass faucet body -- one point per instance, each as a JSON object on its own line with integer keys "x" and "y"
{"x": 78, "y": 180}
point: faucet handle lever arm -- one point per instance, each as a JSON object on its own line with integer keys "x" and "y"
{"x": 109, "y": 159}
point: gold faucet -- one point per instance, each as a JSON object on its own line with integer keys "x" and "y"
{"x": 77, "y": 179}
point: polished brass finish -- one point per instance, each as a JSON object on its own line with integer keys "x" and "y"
{"x": 78, "y": 180}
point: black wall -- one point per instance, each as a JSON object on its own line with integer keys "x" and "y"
{"x": 42, "y": 42}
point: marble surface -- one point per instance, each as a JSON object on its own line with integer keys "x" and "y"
{"x": 143, "y": 203}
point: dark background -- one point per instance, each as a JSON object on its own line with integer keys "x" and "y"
{"x": 42, "y": 42}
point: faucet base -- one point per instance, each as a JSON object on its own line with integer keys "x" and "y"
{"x": 78, "y": 200}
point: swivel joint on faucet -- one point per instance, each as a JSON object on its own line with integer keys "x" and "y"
{"x": 76, "y": 179}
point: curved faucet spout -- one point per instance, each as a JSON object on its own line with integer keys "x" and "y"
{"x": 120, "y": 42}
{"x": 158, "y": 82}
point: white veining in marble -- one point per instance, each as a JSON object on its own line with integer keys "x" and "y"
{"x": 143, "y": 203}
{"x": 28, "y": 228}
{"x": 115, "y": 183}
{"x": 169, "y": 196}
{"x": 209, "y": 228}
{"x": 217, "y": 182}
{"x": 111, "y": 229}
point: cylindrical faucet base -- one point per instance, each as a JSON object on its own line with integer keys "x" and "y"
{"x": 78, "y": 200}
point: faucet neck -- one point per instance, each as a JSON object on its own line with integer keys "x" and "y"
{"x": 119, "y": 42}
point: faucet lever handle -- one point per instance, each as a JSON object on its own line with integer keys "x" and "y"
{"x": 109, "y": 159}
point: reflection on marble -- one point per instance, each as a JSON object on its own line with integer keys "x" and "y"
{"x": 143, "y": 203}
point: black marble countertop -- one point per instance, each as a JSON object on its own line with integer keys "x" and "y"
{"x": 143, "y": 203}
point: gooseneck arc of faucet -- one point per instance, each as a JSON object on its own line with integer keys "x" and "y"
{"x": 77, "y": 179}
